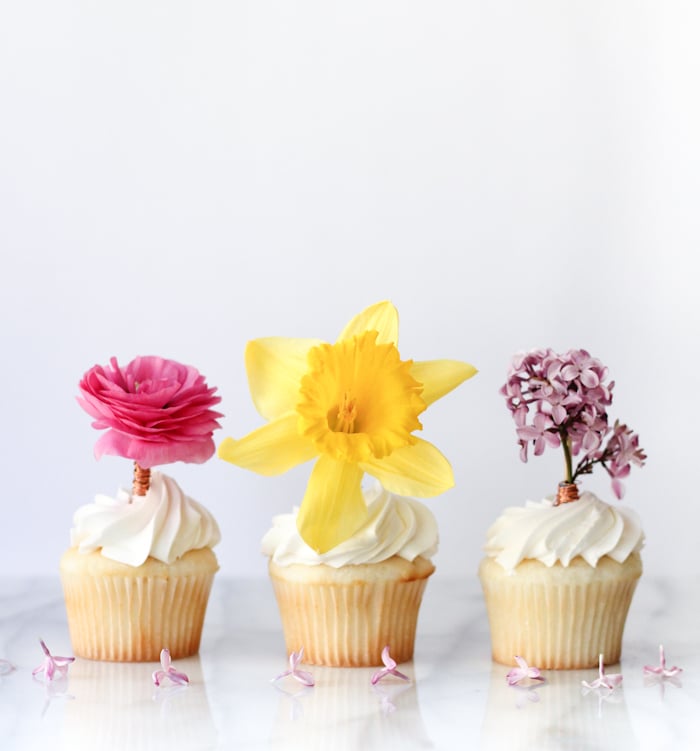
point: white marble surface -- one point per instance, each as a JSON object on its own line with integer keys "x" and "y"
{"x": 458, "y": 698}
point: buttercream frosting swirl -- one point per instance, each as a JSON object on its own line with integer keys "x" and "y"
{"x": 394, "y": 526}
{"x": 164, "y": 524}
{"x": 589, "y": 528}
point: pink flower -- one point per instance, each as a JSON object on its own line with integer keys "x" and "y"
{"x": 607, "y": 682}
{"x": 52, "y": 666}
{"x": 303, "y": 676}
{"x": 662, "y": 671}
{"x": 388, "y": 669}
{"x": 562, "y": 400}
{"x": 621, "y": 452}
{"x": 155, "y": 411}
{"x": 168, "y": 671}
{"x": 542, "y": 433}
{"x": 522, "y": 672}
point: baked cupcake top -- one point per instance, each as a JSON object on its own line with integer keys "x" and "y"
{"x": 395, "y": 526}
{"x": 163, "y": 524}
{"x": 551, "y": 533}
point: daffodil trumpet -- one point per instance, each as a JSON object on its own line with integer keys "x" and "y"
{"x": 354, "y": 406}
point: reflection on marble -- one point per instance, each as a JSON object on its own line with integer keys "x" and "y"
{"x": 561, "y": 707}
{"x": 118, "y": 707}
{"x": 457, "y": 697}
{"x": 310, "y": 718}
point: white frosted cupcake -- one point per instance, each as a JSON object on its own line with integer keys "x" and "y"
{"x": 346, "y": 605}
{"x": 559, "y": 575}
{"x": 138, "y": 575}
{"x": 352, "y": 407}
{"x": 559, "y": 580}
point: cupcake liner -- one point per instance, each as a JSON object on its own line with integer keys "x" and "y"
{"x": 131, "y": 617}
{"x": 559, "y": 617}
{"x": 347, "y": 622}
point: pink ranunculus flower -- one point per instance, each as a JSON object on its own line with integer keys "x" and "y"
{"x": 155, "y": 411}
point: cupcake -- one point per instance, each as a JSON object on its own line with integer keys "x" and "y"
{"x": 559, "y": 575}
{"x": 140, "y": 567}
{"x": 347, "y": 569}
{"x": 376, "y": 577}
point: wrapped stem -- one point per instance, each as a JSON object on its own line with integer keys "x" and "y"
{"x": 142, "y": 480}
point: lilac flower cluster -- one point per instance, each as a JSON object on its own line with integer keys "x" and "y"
{"x": 567, "y": 396}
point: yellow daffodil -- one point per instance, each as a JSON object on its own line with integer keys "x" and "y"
{"x": 354, "y": 405}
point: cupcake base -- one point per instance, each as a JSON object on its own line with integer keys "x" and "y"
{"x": 124, "y": 613}
{"x": 559, "y": 617}
{"x": 344, "y": 617}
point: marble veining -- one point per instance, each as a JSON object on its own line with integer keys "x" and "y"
{"x": 458, "y": 698}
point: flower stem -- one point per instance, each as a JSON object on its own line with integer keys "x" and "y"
{"x": 567, "y": 457}
{"x": 142, "y": 480}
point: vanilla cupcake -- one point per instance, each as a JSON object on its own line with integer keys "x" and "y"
{"x": 140, "y": 568}
{"x": 352, "y": 588}
{"x": 559, "y": 575}
{"x": 138, "y": 575}
{"x": 344, "y": 606}
{"x": 558, "y": 581}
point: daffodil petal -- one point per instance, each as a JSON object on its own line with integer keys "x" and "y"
{"x": 275, "y": 366}
{"x": 270, "y": 450}
{"x": 419, "y": 470}
{"x": 382, "y": 317}
{"x": 439, "y": 377}
{"x": 333, "y": 508}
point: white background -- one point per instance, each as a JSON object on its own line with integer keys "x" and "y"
{"x": 179, "y": 177}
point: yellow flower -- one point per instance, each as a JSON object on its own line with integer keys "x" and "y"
{"x": 354, "y": 405}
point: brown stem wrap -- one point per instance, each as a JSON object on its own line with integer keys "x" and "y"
{"x": 567, "y": 492}
{"x": 142, "y": 480}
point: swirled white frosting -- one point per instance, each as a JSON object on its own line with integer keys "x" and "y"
{"x": 164, "y": 524}
{"x": 588, "y": 528}
{"x": 395, "y": 526}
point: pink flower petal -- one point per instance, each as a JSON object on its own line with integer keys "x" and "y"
{"x": 302, "y": 676}
{"x": 522, "y": 672}
{"x": 662, "y": 670}
{"x": 177, "y": 677}
{"x": 609, "y": 682}
{"x": 168, "y": 671}
{"x": 52, "y": 665}
{"x": 388, "y": 669}
{"x": 155, "y": 411}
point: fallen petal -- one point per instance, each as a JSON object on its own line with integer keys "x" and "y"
{"x": 177, "y": 677}
{"x": 662, "y": 670}
{"x": 378, "y": 676}
{"x": 168, "y": 671}
{"x": 515, "y": 675}
{"x": 303, "y": 676}
{"x": 390, "y": 668}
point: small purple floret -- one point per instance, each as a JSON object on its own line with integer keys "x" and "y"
{"x": 52, "y": 667}
{"x": 566, "y": 398}
{"x": 303, "y": 676}
{"x": 169, "y": 671}
{"x": 388, "y": 669}
{"x": 661, "y": 670}
{"x": 523, "y": 672}
{"x": 607, "y": 682}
